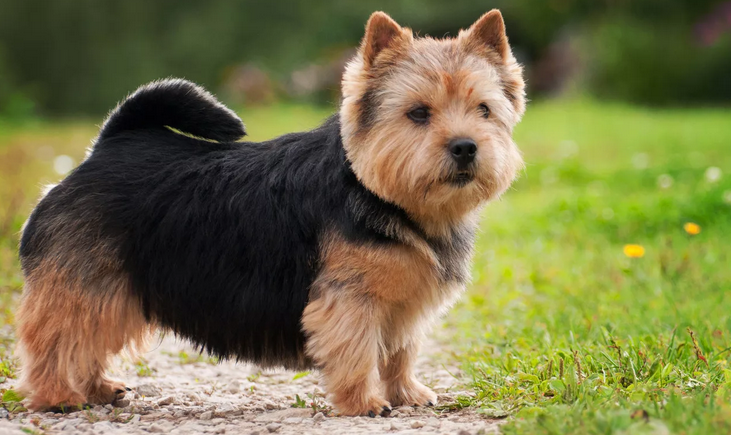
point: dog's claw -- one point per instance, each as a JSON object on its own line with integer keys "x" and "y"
{"x": 371, "y": 414}
{"x": 386, "y": 411}
{"x": 119, "y": 391}
{"x": 429, "y": 403}
{"x": 128, "y": 388}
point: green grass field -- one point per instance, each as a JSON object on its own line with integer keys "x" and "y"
{"x": 564, "y": 330}
{"x": 560, "y": 329}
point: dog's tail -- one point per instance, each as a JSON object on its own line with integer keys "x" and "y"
{"x": 174, "y": 103}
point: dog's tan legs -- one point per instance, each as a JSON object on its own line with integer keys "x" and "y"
{"x": 120, "y": 323}
{"x": 401, "y": 385}
{"x": 44, "y": 382}
{"x": 44, "y": 341}
{"x": 66, "y": 337}
{"x": 343, "y": 340}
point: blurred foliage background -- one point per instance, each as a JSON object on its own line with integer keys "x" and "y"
{"x": 79, "y": 57}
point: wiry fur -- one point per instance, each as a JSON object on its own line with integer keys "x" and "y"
{"x": 334, "y": 248}
{"x": 406, "y": 163}
{"x": 70, "y": 326}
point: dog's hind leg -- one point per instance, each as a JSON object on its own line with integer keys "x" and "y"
{"x": 119, "y": 323}
{"x": 68, "y": 332}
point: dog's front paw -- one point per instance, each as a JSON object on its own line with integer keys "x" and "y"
{"x": 108, "y": 392}
{"x": 411, "y": 393}
{"x": 369, "y": 407}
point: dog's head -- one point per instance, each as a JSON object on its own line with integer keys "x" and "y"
{"x": 427, "y": 123}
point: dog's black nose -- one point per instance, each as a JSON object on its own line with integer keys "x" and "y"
{"x": 463, "y": 151}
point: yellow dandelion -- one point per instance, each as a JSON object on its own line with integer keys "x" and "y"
{"x": 692, "y": 228}
{"x": 634, "y": 251}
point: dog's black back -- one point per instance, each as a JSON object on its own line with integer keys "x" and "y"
{"x": 220, "y": 239}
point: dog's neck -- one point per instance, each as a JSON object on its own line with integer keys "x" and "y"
{"x": 443, "y": 226}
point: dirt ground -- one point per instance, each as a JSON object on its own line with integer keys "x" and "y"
{"x": 179, "y": 392}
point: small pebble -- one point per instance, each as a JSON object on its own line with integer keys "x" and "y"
{"x": 122, "y": 403}
{"x": 273, "y": 427}
{"x": 416, "y": 424}
{"x": 227, "y": 410}
{"x": 406, "y": 410}
{"x": 148, "y": 390}
{"x": 319, "y": 417}
{"x": 154, "y": 416}
{"x": 206, "y": 415}
{"x": 166, "y": 401}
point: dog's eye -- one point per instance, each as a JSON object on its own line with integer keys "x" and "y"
{"x": 420, "y": 115}
{"x": 484, "y": 110}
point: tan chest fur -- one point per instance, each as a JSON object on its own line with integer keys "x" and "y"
{"x": 394, "y": 274}
{"x": 405, "y": 284}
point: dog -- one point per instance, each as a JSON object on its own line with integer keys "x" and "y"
{"x": 335, "y": 248}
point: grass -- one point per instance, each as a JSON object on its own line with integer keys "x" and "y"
{"x": 560, "y": 330}
{"x": 560, "y": 327}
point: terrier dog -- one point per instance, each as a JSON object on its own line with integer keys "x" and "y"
{"x": 334, "y": 248}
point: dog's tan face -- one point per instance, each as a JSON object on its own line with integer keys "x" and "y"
{"x": 427, "y": 124}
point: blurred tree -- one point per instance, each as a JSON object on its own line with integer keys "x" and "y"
{"x": 81, "y": 56}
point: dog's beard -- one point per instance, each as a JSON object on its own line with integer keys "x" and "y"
{"x": 460, "y": 178}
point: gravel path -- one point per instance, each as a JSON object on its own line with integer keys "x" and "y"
{"x": 179, "y": 392}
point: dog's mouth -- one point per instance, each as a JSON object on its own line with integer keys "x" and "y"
{"x": 461, "y": 179}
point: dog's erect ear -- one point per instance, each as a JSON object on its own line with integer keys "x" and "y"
{"x": 489, "y": 31}
{"x": 381, "y": 32}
